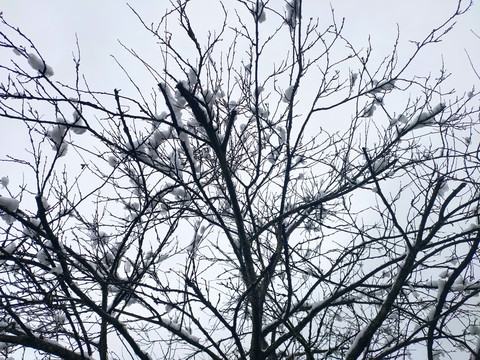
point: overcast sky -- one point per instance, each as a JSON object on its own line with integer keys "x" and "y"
{"x": 52, "y": 25}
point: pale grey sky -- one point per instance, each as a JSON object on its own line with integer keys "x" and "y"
{"x": 52, "y": 26}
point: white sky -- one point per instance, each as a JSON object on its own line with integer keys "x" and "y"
{"x": 52, "y": 25}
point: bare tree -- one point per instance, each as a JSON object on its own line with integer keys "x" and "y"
{"x": 248, "y": 206}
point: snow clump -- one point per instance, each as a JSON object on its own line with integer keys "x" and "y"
{"x": 9, "y": 203}
{"x": 10, "y": 248}
{"x": 38, "y": 64}
{"x": 57, "y": 134}
{"x": 260, "y": 12}
{"x": 30, "y": 232}
{"x": 400, "y": 119}
{"x": 369, "y": 110}
{"x": 159, "y": 136}
{"x": 78, "y": 120}
{"x": 288, "y": 94}
{"x": 57, "y": 269}
{"x": 192, "y": 77}
{"x": 386, "y": 85}
{"x": 471, "y": 93}
{"x": 162, "y": 116}
{"x": 379, "y": 164}
{"x": 443, "y": 189}
{"x": 293, "y": 12}
{"x": 42, "y": 257}
{"x": 426, "y": 118}
{"x": 112, "y": 161}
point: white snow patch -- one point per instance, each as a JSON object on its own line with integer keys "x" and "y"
{"x": 78, "y": 120}
{"x": 57, "y": 134}
{"x": 57, "y": 270}
{"x": 159, "y": 136}
{"x": 382, "y": 86}
{"x": 42, "y": 257}
{"x": 399, "y": 119}
{"x": 458, "y": 287}
{"x": 60, "y": 318}
{"x": 443, "y": 189}
{"x": 10, "y": 248}
{"x": 293, "y": 12}
{"x": 288, "y": 94}
{"x": 162, "y": 116}
{"x": 112, "y": 161}
{"x": 188, "y": 334}
{"x": 379, "y": 164}
{"x": 355, "y": 341}
{"x": 9, "y": 203}
{"x": 4, "y": 181}
{"x": 192, "y": 77}
{"x": 475, "y": 330}
{"x": 260, "y": 12}
{"x": 473, "y": 226}
{"x": 38, "y": 64}
{"x": 426, "y": 118}
{"x": 440, "y": 286}
{"x": 316, "y": 305}
{"x": 443, "y": 274}
{"x": 369, "y": 110}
